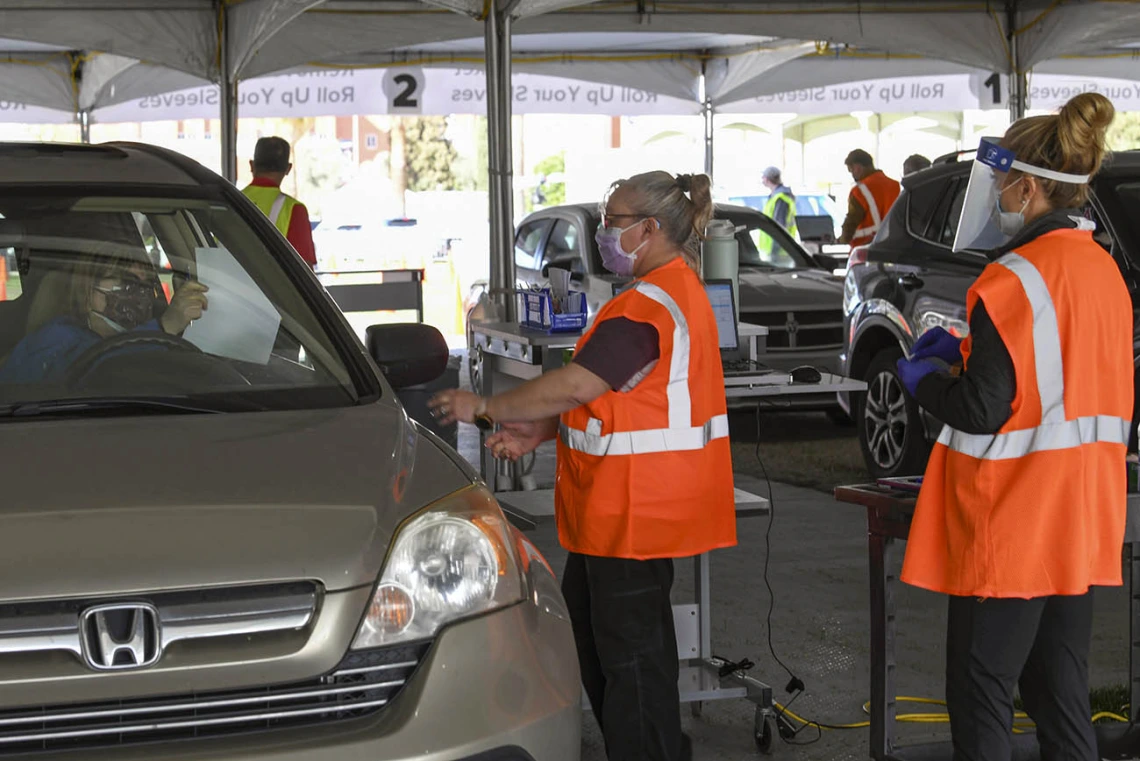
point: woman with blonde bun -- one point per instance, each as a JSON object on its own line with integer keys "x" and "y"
{"x": 1022, "y": 508}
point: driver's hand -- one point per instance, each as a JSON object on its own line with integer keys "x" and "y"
{"x": 188, "y": 304}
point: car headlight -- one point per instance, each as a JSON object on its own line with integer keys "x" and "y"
{"x": 450, "y": 561}
{"x": 851, "y": 299}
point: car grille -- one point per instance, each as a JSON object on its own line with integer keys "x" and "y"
{"x": 362, "y": 684}
{"x": 805, "y": 330}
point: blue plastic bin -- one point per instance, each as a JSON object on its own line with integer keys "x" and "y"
{"x": 535, "y": 312}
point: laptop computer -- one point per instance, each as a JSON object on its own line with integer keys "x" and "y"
{"x": 723, "y": 299}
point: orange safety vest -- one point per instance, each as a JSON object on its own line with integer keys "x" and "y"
{"x": 876, "y": 194}
{"x": 647, "y": 472}
{"x": 1038, "y": 508}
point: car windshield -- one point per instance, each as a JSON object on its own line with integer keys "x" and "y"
{"x": 763, "y": 243}
{"x": 170, "y": 301}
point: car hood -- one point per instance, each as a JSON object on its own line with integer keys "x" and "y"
{"x": 103, "y": 507}
{"x": 773, "y": 290}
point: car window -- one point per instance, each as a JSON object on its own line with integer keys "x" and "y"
{"x": 953, "y": 214}
{"x": 562, "y": 248}
{"x": 923, "y": 202}
{"x": 158, "y": 297}
{"x": 527, "y": 241}
{"x": 10, "y": 287}
{"x": 767, "y": 251}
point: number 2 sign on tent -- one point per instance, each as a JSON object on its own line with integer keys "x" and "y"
{"x": 403, "y": 89}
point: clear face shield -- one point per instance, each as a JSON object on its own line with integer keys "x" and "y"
{"x": 984, "y": 225}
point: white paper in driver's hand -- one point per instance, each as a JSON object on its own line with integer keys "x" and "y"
{"x": 240, "y": 322}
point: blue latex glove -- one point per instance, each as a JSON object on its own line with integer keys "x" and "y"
{"x": 911, "y": 371}
{"x": 938, "y": 343}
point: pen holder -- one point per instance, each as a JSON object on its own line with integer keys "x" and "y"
{"x": 536, "y": 310}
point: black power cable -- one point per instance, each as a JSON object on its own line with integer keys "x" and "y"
{"x": 796, "y": 684}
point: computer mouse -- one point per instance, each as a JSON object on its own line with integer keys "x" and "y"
{"x": 805, "y": 374}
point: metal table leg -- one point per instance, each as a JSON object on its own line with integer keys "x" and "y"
{"x": 881, "y": 555}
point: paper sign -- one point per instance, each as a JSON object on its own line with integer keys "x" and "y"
{"x": 240, "y": 323}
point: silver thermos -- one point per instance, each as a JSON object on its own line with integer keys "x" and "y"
{"x": 720, "y": 256}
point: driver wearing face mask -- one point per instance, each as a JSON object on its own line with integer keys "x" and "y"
{"x": 104, "y": 299}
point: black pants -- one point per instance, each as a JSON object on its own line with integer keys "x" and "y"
{"x": 627, "y": 647}
{"x": 1039, "y": 645}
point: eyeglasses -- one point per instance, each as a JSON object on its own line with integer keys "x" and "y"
{"x": 129, "y": 287}
{"x": 607, "y": 222}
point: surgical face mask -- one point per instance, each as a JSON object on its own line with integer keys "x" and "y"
{"x": 615, "y": 258}
{"x": 1010, "y": 222}
{"x": 129, "y": 304}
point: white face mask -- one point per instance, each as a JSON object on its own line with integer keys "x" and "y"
{"x": 1011, "y": 222}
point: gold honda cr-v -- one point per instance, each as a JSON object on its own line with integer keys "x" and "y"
{"x": 221, "y": 537}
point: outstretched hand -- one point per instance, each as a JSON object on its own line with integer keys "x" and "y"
{"x": 514, "y": 440}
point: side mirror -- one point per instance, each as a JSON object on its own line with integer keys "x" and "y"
{"x": 409, "y": 354}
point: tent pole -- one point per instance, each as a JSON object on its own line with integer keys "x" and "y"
{"x": 84, "y": 126}
{"x": 506, "y": 159}
{"x": 228, "y": 105}
{"x": 1017, "y": 80}
{"x": 707, "y": 114}
{"x": 494, "y": 178}
{"x": 497, "y": 29}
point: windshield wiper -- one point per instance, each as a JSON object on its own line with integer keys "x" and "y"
{"x": 133, "y": 405}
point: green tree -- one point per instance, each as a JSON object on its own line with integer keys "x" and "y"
{"x": 1124, "y": 134}
{"x": 550, "y": 193}
{"x": 431, "y": 157}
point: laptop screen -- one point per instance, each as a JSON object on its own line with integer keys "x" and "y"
{"x": 724, "y": 309}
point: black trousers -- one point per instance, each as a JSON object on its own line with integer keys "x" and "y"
{"x": 627, "y": 648}
{"x": 1039, "y": 645}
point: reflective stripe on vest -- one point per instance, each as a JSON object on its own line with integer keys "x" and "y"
{"x": 274, "y": 204}
{"x": 275, "y": 210}
{"x": 1054, "y": 432}
{"x": 643, "y": 442}
{"x": 681, "y": 435}
{"x": 872, "y": 209}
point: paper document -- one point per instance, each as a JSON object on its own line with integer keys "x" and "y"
{"x": 240, "y": 323}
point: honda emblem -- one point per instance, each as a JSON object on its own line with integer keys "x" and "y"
{"x": 121, "y": 636}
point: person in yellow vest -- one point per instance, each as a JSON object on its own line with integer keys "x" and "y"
{"x": 1022, "y": 508}
{"x": 270, "y": 165}
{"x": 781, "y": 203}
{"x": 644, "y": 465}
{"x": 870, "y": 200}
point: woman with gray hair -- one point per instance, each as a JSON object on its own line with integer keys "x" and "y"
{"x": 644, "y": 466}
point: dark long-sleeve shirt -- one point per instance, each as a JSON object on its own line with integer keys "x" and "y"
{"x": 979, "y": 400}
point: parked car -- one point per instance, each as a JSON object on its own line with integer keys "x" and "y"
{"x": 908, "y": 281}
{"x": 233, "y": 543}
{"x": 372, "y": 245}
{"x": 818, "y": 217}
{"x": 783, "y": 288}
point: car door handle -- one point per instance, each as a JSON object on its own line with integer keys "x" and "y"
{"x": 910, "y": 281}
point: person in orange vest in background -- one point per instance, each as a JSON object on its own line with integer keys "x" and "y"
{"x": 1022, "y": 508}
{"x": 644, "y": 465}
{"x": 270, "y": 165}
{"x": 870, "y": 200}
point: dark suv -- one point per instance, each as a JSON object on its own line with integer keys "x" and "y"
{"x": 908, "y": 280}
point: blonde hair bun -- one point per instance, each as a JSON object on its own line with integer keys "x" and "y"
{"x": 1071, "y": 141}
{"x": 1081, "y": 126}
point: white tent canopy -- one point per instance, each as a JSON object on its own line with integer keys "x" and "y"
{"x": 157, "y": 46}
{"x": 224, "y": 41}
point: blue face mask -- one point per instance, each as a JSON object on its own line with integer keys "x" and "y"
{"x": 615, "y": 258}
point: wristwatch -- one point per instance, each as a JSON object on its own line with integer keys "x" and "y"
{"x": 483, "y": 421}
